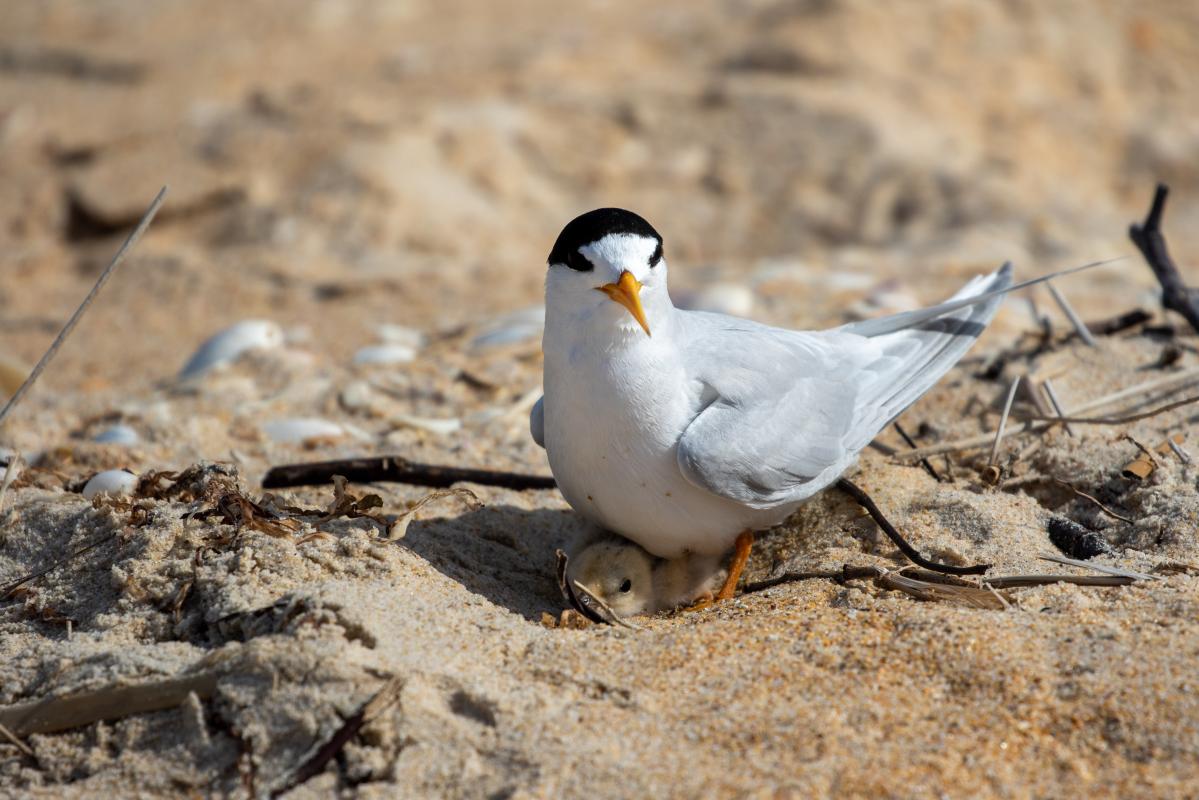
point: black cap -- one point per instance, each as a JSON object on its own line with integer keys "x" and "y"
{"x": 589, "y": 228}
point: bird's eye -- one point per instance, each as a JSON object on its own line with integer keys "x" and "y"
{"x": 577, "y": 261}
{"x": 626, "y": 586}
{"x": 656, "y": 257}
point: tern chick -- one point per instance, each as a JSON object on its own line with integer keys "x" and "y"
{"x": 633, "y": 582}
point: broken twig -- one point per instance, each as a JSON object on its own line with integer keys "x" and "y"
{"x": 393, "y": 469}
{"x": 1150, "y": 240}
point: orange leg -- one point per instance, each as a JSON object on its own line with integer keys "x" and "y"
{"x": 745, "y": 543}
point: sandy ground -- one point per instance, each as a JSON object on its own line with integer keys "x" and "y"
{"x": 362, "y": 173}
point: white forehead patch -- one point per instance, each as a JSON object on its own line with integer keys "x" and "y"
{"x": 621, "y": 251}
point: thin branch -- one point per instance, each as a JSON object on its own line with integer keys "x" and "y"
{"x": 8, "y": 589}
{"x": 87, "y": 301}
{"x": 393, "y": 469}
{"x": 1124, "y": 420}
{"x": 1168, "y": 384}
{"x": 863, "y": 499}
{"x": 1101, "y": 506}
{"x": 924, "y": 462}
{"x": 1150, "y": 240}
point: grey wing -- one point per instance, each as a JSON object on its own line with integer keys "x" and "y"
{"x": 789, "y": 412}
{"x": 537, "y": 421}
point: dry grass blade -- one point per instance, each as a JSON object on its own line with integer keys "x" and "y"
{"x": 382, "y": 700}
{"x": 16, "y": 741}
{"x": 1104, "y": 568}
{"x": 399, "y": 527}
{"x": 87, "y": 301}
{"x": 107, "y": 702}
{"x": 1007, "y": 409}
{"x": 1057, "y": 405}
{"x": 1084, "y": 333}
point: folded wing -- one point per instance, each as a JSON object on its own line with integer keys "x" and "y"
{"x": 786, "y": 413}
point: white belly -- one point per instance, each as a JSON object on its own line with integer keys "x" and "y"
{"x": 612, "y": 424}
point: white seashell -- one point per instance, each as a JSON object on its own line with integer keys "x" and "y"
{"x": 519, "y": 326}
{"x": 118, "y": 434}
{"x": 112, "y": 482}
{"x": 358, "y": 396}
{"x": 722, "y": 298}
{"x": 438, "y": 426}
{"x": 302, "y": 429}
{"x": 385, "y": 354}
{"x": 225, "y": 346}
{"x": 399, "y": 334}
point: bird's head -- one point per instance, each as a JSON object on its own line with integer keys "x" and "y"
{"x": 607, "y": 267}
{"x": 618, "y": 572}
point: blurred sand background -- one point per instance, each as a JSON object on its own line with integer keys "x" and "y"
{"x": 341, "y": 166}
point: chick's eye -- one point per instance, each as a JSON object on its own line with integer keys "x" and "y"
{"x": 656, "y": 257}
{"x": 626, "y": 586}
{"x": 577, "y": 261}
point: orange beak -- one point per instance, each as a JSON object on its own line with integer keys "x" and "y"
{"x": 627, "y": 292}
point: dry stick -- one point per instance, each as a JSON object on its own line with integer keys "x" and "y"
{"x": 1017, "y": 581}
{"x": 1176, "y": 382}
{"x": 1150, "y": 240}
{"x": 87, "y": 301}
{"x": 1079, "y": 326}
{"x": 1057, "y": 404}
{"x": 863, "y": 499}
{"x": 113, "y": 701}
{"x": 398, "y": 470}
{"x": 924, "y": 462}
{"x": 1007, "y": 409}
{"x": 1123, "y": 322}
{"x": 380, "y": 702}
{"x": 1182, "y": 454}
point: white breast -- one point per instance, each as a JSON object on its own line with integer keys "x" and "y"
{"x": 613, "y": 418}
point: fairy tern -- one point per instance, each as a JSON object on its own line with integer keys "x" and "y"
{"x": 686, "y": 431}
